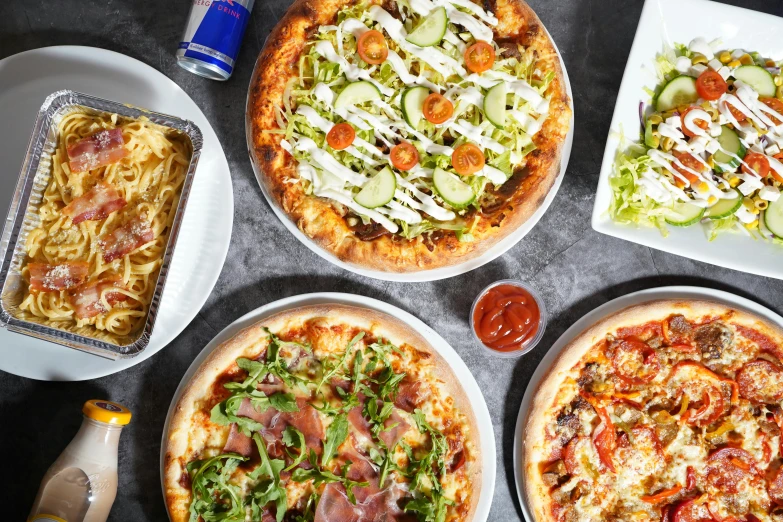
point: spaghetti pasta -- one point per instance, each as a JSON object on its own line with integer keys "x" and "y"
{"x": 149, "y": 178}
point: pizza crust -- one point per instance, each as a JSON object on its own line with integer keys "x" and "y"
{"x": 545, "y": 399}
{"x": 251, "y": 340}
{"x": 320, "y": 220}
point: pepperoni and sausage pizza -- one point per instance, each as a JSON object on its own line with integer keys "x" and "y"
{"x": 665, "y": 411}
{"x": 328, "y": 414}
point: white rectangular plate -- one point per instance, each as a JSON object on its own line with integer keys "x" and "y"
{"x": 680, "y": 21}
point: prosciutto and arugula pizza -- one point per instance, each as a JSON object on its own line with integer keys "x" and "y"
{"x": 406, "y": 135}
{"x": 328, "y": 414}
{"x": 666, "y": 411}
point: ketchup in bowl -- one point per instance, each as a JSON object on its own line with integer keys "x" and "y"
{"x": 508, "y": 318}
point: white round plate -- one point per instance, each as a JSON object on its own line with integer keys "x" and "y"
{"x": 500, "y": 248}
{"x": 466, "y": 379}
{"x": 643, "y": 296}
{"x": 26, "y": 79}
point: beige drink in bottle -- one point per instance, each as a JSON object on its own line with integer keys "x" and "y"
{"x": 81, "y": 484}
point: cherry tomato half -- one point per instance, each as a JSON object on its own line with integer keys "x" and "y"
{"x": 757, "y": 162}
{"x": 738, "y": 115}
{"x": 691, "y": 163}
{"x": 341, "y": 136}
{"x": 404, "y": 156}
{"x": 774, "y": 104}
{"x": 774, "y": 173}
{"x": 479, "y": 57}
{"x": 710, "y": 85}
{"x": 467, "y": 159}
{"x": 702, "y": 124}
{"x": 372, "y": 47}
{"x": 437, "y": 109}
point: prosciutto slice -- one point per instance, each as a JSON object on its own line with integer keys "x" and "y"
{"x": 361, "y": 470}
{"x": 271, "y": 384}
{"x": 391, "y": 435}
{"x": 51, "y": 278}
{"x": 358, "y": 421}
{"x": 334, "y": 506}
{"x": 410, "y": 395}
{"x": 86, "y": 299}
{"x": 238, "y": 442}
{"x": 382, "y": 506}
{"x": 95, "y": 204}
{"x": 275, "y": 422}
{"x": 102, "y": 148}
{"x": 125, "y": 239}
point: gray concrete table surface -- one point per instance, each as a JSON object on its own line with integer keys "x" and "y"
{"x": 573, "y": 267}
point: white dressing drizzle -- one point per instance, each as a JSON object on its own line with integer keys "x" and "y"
{"x": 446, "y": 65}
{"x": 475, "y": 134}
{"x": 352, "y": 72}
{"x": 348, "y": 201}
{"x": 398, "y": 64}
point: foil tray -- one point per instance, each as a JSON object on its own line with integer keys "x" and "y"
{"x": 23, "y": 218}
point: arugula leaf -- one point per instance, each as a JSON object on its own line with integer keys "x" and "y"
{"x": 276, "y": 365}
{"x": 336, "y": 434}
{"x": 256, "y": 371}
{"x": 430, "y": 509}
{"x": 309, "y": 511}
{"x": 386, "y": 466}
{"x": 389, "y": 383}
{"x": 283, "y": 402}
{"x": 433, "y": 460}
{"x": 224, "y": 417}
{"x": 293, "y": 438}
{"x": 213, "y": 496}
{"x": 269, "y": 489}
{"x": 333, "y": 368}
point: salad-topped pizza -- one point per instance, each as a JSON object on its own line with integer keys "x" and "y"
{"x": 323, "y": 414}
{"x": 711, "y": 149}
{"x": 409, "y": 134}
{"x": 667, "y": 411}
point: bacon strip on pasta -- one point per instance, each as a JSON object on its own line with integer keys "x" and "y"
{"x": 126, "y": 239}
{"x": 45, "y": 277}
{"x": 102, "y": 148}
{"x": 96, "y": 204}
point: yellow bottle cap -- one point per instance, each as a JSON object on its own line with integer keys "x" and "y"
{"x": 107, "y": 411}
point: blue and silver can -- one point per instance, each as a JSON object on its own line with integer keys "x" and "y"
{"x": 212, "y": 37}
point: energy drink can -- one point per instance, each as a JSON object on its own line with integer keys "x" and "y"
{"x": 212, "y": 37}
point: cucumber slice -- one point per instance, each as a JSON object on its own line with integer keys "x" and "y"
{"x": 725, "y": 207}
{"x": 756, "y": 77}
{"x": 679, "y": 91}
{"x": 495, "y": 105}
{"x": 773, "y": 218}
{"x": 453, "y": 190}
{"x": 684, "y": 214}
{"x": 412, "y": 101}
{"x": 431, "y": 29}
{"x": 729, "y": 141}
{"x": 356, "y": 93}
{"x": 378, "y": 191}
